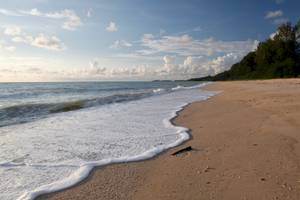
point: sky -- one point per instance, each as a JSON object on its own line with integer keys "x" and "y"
{"x": 107, "y": 40}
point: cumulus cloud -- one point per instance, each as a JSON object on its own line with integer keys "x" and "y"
{"x": 197, "y": 66}
{"x": 95, "y": 72}
{"x": 47, "y": 42}
{"x": 184, "y": 57}
{"x": 168, "y": 60}
{"x": 188, "y": 61}
{"x": 190, "y": 67}
{"x": 120, "y": 43}
{"x": 126, "y": 72}
{"x": 223, "y": 63}
{"x": 112, "y": 27}
{"x": 95, "y": 69}
{"x": 41, "y": 41}
{"x": 274, "y": 14}
{"x": 12, "y": 31}
{"x": 33, "y": 12}
{"x": 169, "y": 66}
{"x": 185, "y": 45}
{"x": 272, "y": 35}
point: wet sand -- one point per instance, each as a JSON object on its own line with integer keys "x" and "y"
{"x": 245, "y": 144}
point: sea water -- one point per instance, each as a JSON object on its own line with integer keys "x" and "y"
{"x": 53, "y": 134}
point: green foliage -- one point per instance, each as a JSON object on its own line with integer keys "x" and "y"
{"x": 275, "y": 58}
{"x": 297, "y": 29}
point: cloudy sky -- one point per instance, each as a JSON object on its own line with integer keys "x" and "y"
{"x": 75, "y": 40}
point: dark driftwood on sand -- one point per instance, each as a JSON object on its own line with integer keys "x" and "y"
{"x": 189, "y": 148}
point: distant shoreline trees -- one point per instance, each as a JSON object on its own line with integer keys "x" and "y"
{"x": 277, "y": 57}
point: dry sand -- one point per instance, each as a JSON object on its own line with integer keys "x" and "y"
{"x": 246, "y": 143}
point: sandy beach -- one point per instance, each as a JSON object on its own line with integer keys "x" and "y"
{"x": 245, "y": 144}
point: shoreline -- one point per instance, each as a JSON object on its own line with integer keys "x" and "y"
{"x": 245, "y": 145}
{"x": 102, "y": 167}
{"x": 185, "y": 136}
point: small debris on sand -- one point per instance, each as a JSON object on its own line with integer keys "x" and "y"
{"x": 189, "y": 148}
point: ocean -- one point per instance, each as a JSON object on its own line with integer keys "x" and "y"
{"x": 53, "y": 134}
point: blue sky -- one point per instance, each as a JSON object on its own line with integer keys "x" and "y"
{"x": 64, "y": 40}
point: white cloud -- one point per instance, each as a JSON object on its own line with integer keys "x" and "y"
{"x": 21, "y": 39}
{"x": 13, "y": 31}
{"x": 277, "y": 17}
{"x": 10, "y": 48}
{"x": 33, "y": 12}
{"x": 196, "y": 66}
{"x": 125, "y": 72}
{"x": 10, "y": 13}
{"x": 147, "y": 37}
{"x": 169, "y": 66}
{"x": 190, "y": 67}
{"x": 188, "y": 61}
{"x": 4, "y": 46}
{"x": 112, "y": 27}
{"x": 195, "y": 29}
{"x": 95, "y": 69}
{"x": 223, "y": 63}
{"x": 168, "y": 60}
{"x": 274, "y": 14}
{"x": 272, "y": 35}
{"x": 196, "y": 58}
{"x": 181, "y": 56}
{"x": 120, "y": 43}
{"x": 71, "y": 20}
{"x": 26, "y": 73}
{"x": 41, "y": 41}
{"x": 185, "y": 45}
{"x": 46, "y": 42}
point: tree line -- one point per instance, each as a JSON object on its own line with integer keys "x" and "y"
{"x": 277, "y": 57}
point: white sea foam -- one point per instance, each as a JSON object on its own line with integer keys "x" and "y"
{"x": 158, "y": 90}
{"x": 178, "y": 87}
{"x": 57, "y": 152}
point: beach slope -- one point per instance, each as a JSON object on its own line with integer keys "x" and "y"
{"x": 245, "y": 146}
